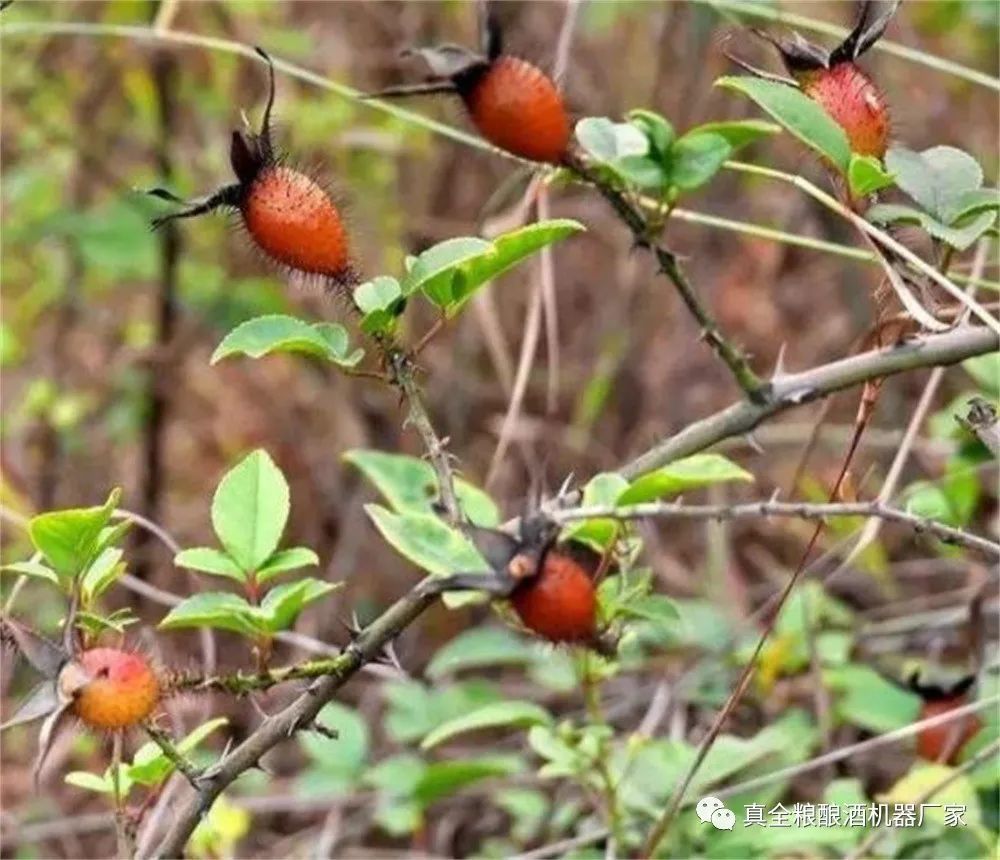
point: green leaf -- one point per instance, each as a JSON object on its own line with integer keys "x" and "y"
{"x": 434, "y": 268}
{"x": 286, "y": 559}
{"x": 428, "y": 542}
{"x": 658, "y": 131}
{"x": 937, "y": 178}
{"x": 282, "y": 604}
{"x": 250, "y": 509}
{"x": 480, "y": 648}
{"x": 150, "y": 765}
{"x": 90, "y": 781}
{"x": 606, "y": 141}
{"x": 68, "y": 539}
{"x": 32, "y": 568}
{"x": 960, "y": 238}
{"x": 415, "y": 709}
{"x": 869, "y": 701}
{"x": 697, "y": 157}
{"x": 985, "y": 369}
{"x": 215, "y": 609}
{"x": 410, "y": 484}
{"x": 698, "y": 470}
{"x": 346, "y": 753}
{"x": 207, "y": 560}
{"x": 397, "y": 775}
{"x": 975, "y": 202}
{"x": 102, "y": 573}
{"x": 798, "y": 113}
{"x": 642, "y": 171}
{"x": 378, "y": 294}
{"x": 601, "y": 490}
{"x": 445, "y": 778}
{"x": 866, "y": 175}
{"x": 924, "y": 777}
{"x": 381, "y": 301}
{"x": 657, "y": 608}
{"x": 473, "y": 265}
{"x": 509, "y": 713}
{"x": 277, "y": 333}
{"x": 738, "y": 133}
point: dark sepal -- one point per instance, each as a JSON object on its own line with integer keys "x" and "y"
{"x": 936, "y": 692}
{"x": 230, "y": 195}
{"x": 798, "y": 54}
{"x": 867, "y": 31}
{"x": 264, "y": 136}
{"x": 245, "y": 156}
{"x": 492, "y": 33}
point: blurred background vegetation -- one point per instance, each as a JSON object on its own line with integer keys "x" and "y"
{"x": 107, "y": 329}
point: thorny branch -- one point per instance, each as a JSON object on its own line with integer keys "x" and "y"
{"x": 660, "y": 510}
{"x": 402, "y": 368}
{"x": 177, "y": 758}
{"x": 641, "y": 231}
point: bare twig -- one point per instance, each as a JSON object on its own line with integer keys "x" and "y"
{"x": 799, "y": 510}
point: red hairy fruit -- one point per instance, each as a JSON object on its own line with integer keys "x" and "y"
{"x": 942, "y": 743}
{"x": 517, "y": 107}
{"x": 121, "y": 688}
{"x": 559, "y": 603}
{"x": 288, "y": 214}
{"x": 848, "y": 95}
{"x": 294, "y": 221}
{"x": 833, "y": 79}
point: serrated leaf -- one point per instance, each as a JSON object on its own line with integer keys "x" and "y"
{"x": 215, "y": 609}
{"x": 936, "y": 178}
{"x": 799, "y": 114}
{"x": 509, "y": 713}
{"x": 428, "y": 542}
{"x": 68, "y": 539}
{"x": 960, "y": 238}
{"x": 865, "y": 175}
{"x": 208, "y": 560}
{"x": 282, "y": 604}
{"x": 697, "y": 157}
{"x": 606, "y": 141}
{"x": 285, "y": 560}
{"x": 250, "y": 509}
{"x": 975, "y": 202}
{"x": 411, "y": 484}
{"x": 278, "y": 333}
{"x": 698, "y": 470}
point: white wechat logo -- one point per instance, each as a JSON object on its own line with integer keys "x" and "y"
{"x": 713, "y": 811}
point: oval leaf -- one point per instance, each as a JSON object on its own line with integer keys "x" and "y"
{"x": 799, "y": 114}
{"x": 277, "y": 333}
{"x": 207, "y": 560}
{"x": 250, "y": 509}
{"x": 698, "y": 470}
{"x": 428, "y": 542}
{"x": 214, "y": 609}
